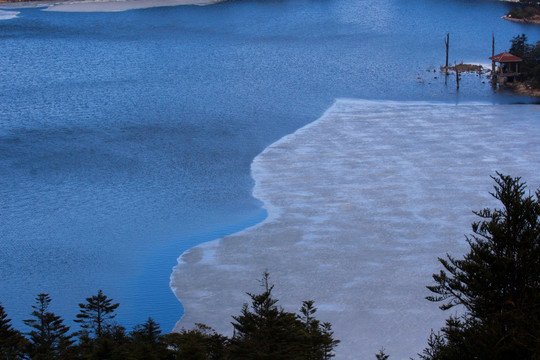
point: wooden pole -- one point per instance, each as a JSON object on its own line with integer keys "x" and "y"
{"x": 492, "y": 54}
{"x": 457, "y": 75}
{"x": 447, "y": 43}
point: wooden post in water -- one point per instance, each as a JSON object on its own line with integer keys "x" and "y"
{"x": 447, "y": 43}
{"x": 493, "y": 76}
{"x": 457, "y": 75}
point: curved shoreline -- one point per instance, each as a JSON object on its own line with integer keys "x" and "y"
{"x": 101, "y": 5}
{"x": 361, "y": 203}
{"x": 8, "y": 15}
{"x": 535, "y": 20}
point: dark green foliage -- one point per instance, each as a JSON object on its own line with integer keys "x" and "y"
{"x": 147, "y": 342}
{"x": 49, "y": 338}
{"x": 382, "y": 355}
{"x": 12, "y": 343}
{"x": 265, "y": 331}
{"x": 328, "y": 343}
{"x": 519, "y": 46}
{"x": 96, "y": 313}
{"x": 313, "y": 335}
{"x": 114, "y": 343}
{"x": 437, "y": 347}
{"x": 318, "y": 337}
{"x": 524, "y": 11}
{"x": 149, "y": 332}
{"x": 201, "y": 343}
{"x": 497, "y": 283}
{"x": 530, "y": 67}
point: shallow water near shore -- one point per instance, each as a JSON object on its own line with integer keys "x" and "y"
{"x": 127, "y": 138}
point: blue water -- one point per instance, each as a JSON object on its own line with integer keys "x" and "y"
{"x": 127, "y": 138}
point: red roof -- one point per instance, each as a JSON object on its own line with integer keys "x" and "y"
{"x": 505, "y": 57}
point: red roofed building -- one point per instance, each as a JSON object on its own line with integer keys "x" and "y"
{"x": 505, "y": 57}
{"x": 508, "y": 68}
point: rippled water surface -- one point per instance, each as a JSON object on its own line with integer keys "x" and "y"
{"x": 127, "y": 138}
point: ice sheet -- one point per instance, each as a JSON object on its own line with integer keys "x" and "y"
{"x": 120, "y": 5}
{"x": 7, "y": 15}
{"x": 361, "y": 203}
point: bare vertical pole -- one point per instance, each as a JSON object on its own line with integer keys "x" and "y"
{"x": 492, "y": 44}
{"x": 492, "y": 54}
{"x": 447, "y": 43}
{"x": 457, "y": 76}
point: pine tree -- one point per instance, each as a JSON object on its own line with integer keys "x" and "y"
{"x": 328, "y": 343}
{"x": 265, "y": 331}
{"x": 148, "y": 341}
{"x": 519, "y": 45}
{"x": 49, "y": 338}
{"x": 319, "y": 339}
{"x": 497, "y": 283}
{"x": 381, "y": 355}
{"x": 148, "y": 332}
{"x": 96, "y": 313}
{"x": 201, "y": 343}
{"x": 12, "y": 343}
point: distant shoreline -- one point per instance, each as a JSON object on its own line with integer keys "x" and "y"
{"x": 524, "y": 89}
{"x": 532, "y": 20}
{"x": 99, "y": 5}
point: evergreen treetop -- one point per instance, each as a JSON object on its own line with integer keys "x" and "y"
{"x": 49, "y": 338}
{"x": 497, "y": 282}
{"x": 96, "y": 313}
{"x": 12, "y": 343}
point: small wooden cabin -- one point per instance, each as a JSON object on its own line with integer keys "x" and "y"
{"x": 507, "y": 69}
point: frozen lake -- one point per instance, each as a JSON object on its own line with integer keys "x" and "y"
{"x": 361, "y": 204}
{"x": 128, "y": 138}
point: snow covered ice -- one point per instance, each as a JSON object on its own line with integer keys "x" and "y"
{"x": 8, "y": 15}
{"x": 361, "y": 203}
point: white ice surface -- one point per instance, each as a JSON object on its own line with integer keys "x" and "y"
{"x": 120, "y": 5}
{"x": 100, "y": 5}
{"x": 361, "y": 203}
{"x": 6, "y": 15}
